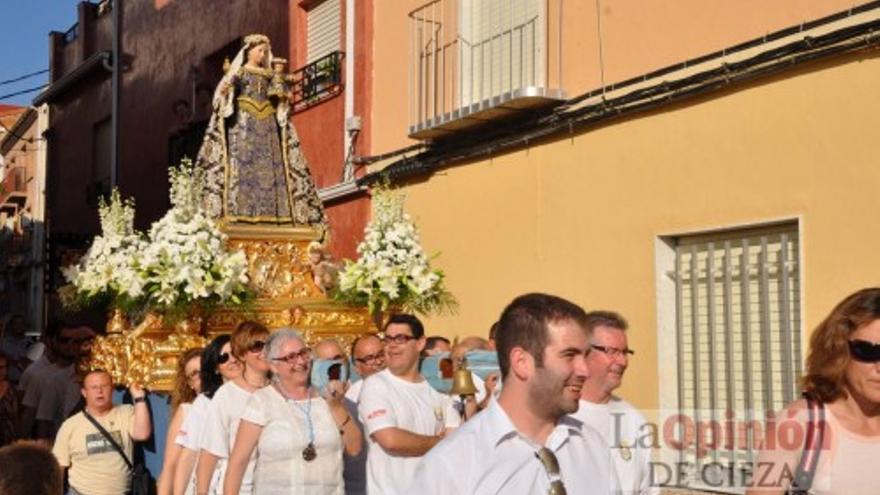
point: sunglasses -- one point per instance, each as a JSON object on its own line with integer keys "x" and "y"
{"x": 399, "y": 339}
{"x": 371, "y": 358}
{"x": 864, "y": 351}
{"x": 551, "y": 465}
{"x": 303, "y": 354}
{"x": 223, "y": 358}
{"x": 257, "y": 346}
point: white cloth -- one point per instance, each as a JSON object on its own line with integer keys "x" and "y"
{"x": 390, "y": 402}
{"x": 487, "y": 456}
{"x": 620, "y": 425}
{"x": 221, "y": 426}
{"x": 37, "y": 369}
{"x": 193, "y": 423}
{"x": 280, "y": 467}
{"x": 354, "y": 391}
{"x": 849, "y": 467}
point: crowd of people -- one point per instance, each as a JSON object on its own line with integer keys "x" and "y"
{"x": 250, "y": 413}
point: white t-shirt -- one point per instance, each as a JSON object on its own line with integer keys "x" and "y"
{"x": 488, "y": 456}
{"x": 193, "y": 423}
{"x": 354, "y": 391}
{"x": 35, "y": 369}
{"x": 390, "y": 402}
{"x": 221, "y": 426}
{"x": 619, "y": 424}
{"x": 280, "y": 467}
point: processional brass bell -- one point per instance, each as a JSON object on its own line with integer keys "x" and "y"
{"x": 463, "y": 382}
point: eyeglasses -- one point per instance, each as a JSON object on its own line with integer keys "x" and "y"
{"x": 371, "y": 358}
{"x": 257, "y": 346}
{"x": 864, "y": 351}
{"x": 551, "y": 465}
{"x": 399, "y": 339}
{"x": 613, "y": 351}
{"x": 223, "y": 358}
{"x": 303, "y": 354}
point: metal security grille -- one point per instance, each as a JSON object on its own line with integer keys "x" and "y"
{"x": 324, "y": 26}
{"x": 738, "y": 332}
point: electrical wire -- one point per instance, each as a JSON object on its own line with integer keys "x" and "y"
{"x": 22, "y": 78}
{"x": 23, "y": 92}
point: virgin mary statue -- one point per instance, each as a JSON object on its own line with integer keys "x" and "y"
{"x": 254, "y": 169}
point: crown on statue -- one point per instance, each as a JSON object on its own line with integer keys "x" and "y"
{"x": 255, "y": 39}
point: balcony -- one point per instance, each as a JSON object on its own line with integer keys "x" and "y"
{"x": 13, "y": 190}
{"x": 317, "y": 81}
{"x": 477, "y": 61}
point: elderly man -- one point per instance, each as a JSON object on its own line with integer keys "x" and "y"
{"x": 95, "y": 465}
{"x": 525, "y": 442}
{"x": 614, "y": 418}
{"x": 402, "y": 414}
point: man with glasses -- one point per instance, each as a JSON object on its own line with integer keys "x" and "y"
{"x": 402, "y": 414}
{"x": 524, "y": 442}
{"x": 614, "y": 418}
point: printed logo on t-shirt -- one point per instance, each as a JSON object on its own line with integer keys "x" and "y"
{"x": 97, "y": 444}
{"x": 377, "y": 413}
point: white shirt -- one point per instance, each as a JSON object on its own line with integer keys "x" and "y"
{"x": 280, "y": 467}
{"x": 487, "y": 456}
{"x": 620, "y": 425}
{"x": 221, "y": 426}
{"x": 193, "y": 424}
{"x": 387, "y": 401}
{"x": 35, "y": 369}
{"x": 354, "y": 391}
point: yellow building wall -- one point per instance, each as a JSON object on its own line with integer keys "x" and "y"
{"x": 637, "y": 37}
{"x": 578, "y": 216}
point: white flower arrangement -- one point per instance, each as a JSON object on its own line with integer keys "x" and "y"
{"x": 392, "y": 269}
{"x": 108, "y": 271}
{"x": 181, "y": 263}
{"x": 186, "y": 261}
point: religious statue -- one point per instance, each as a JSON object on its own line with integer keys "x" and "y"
{"x": 255, "y": 170}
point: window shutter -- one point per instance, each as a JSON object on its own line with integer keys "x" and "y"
{"x": 324, "y": 30}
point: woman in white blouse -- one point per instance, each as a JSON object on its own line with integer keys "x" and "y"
{"x": 298, "y": 433}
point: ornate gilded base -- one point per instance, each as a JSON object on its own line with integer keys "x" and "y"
{"x": 280, "y": 271}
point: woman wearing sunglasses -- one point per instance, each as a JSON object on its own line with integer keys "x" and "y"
{"x": 829, "y": 442}
{"x": 224, "y": 412}
{"x": 217, "y": 367}
{"x": 298, "y": 435}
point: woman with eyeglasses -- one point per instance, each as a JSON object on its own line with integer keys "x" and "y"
{"x": 828, "y": 443}
{"x": 224, "y": 412}
{"x": 298, "y": 435}
{"x": 218, "y": 366}
{"x": 187, "y": 386}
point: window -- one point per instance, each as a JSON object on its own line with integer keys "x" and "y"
{"x": 737, "y": 326}
{"x": 503, "y": 47}
{"x": 324, "y": 26}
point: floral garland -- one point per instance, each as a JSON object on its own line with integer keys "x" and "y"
{"x": 181, "y": 263}
{"x": 109, "y": 271}
{"x": 392, "y": 270}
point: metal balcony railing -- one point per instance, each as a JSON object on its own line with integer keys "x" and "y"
{"x": 473, "y": 60}
{"x": 317, "y": 81}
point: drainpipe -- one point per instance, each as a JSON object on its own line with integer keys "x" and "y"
{"x": 350, "y": 127}
{"x": 114, "y": 105}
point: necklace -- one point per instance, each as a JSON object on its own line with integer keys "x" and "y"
{"x": 244, "y": 377}
{"x": 309, "y": 453}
